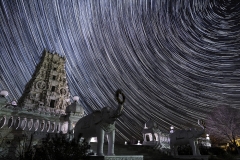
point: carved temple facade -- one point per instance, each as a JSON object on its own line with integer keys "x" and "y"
{"x": 43, "y": 108}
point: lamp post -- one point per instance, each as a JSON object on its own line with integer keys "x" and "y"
{"x": 207, "y": 137}
{"x": 172, "y": 129}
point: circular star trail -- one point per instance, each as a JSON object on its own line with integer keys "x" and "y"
{"x": 174, "y": 60}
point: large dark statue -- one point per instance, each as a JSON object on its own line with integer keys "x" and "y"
{"x": 182, "y": 137}
{"x": 98, "y": 123}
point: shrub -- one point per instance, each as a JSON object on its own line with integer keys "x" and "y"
{"x": 185, "y": 150}
{"x": 61, "y": 148}
{"x": 54, "y": 148}
{"x": 216, "y": 151}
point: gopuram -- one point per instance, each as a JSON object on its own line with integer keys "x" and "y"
{"x": 44, "y": 107}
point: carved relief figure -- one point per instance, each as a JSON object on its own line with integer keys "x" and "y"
{"x": 63, "y": 91}
{"x": 60, "y": 103}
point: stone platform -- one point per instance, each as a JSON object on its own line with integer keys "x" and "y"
{"x": 116, "y": 157}
{"x": 201, "y": 157}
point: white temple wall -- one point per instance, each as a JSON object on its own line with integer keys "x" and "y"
{"x": 31, "y": 124}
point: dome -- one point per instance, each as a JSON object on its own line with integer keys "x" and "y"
{"x": 150, "y": 124}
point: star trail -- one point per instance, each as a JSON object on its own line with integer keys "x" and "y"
{"x": 174, "y": 60}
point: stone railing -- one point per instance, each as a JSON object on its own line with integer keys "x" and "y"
{"x": 31, "y": 124}
{"x": 40, "y": 110}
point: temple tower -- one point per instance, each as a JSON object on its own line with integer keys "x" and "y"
{"x": 48, "y": 87}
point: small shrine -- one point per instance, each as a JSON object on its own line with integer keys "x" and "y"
{"x": 150, "y": 133}
{"x": 153, "y": 136}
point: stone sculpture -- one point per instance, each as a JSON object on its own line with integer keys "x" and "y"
{"x": 182, "y": 137}
{"x": 98, "y": 123}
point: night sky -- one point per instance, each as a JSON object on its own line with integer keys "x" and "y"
{"x": 175, "y": 60}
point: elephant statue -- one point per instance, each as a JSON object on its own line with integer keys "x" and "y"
{"x": 98, "y": 123}
{"x": 182, "y": 137}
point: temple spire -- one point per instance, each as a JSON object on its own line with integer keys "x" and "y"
{"x": 48, "y": 87}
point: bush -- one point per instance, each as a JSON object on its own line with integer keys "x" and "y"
{"x": 216, "y": 151}
{"x": 187, "y": 150}
{"x": 54, "y": 148}
{"x": 61, "y": 148}
{"x": 204, "y": 150}
{"x": 184, "y": 150}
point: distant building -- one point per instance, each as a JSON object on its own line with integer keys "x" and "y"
{"x": 153, "y": 136}
{"x": 206, "y": 142}
{"x": 44, "y": 108}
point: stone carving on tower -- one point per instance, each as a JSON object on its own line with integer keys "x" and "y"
{"x": 47, "y": 91}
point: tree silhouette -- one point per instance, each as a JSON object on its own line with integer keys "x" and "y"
{"x": 224, "y": 123}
